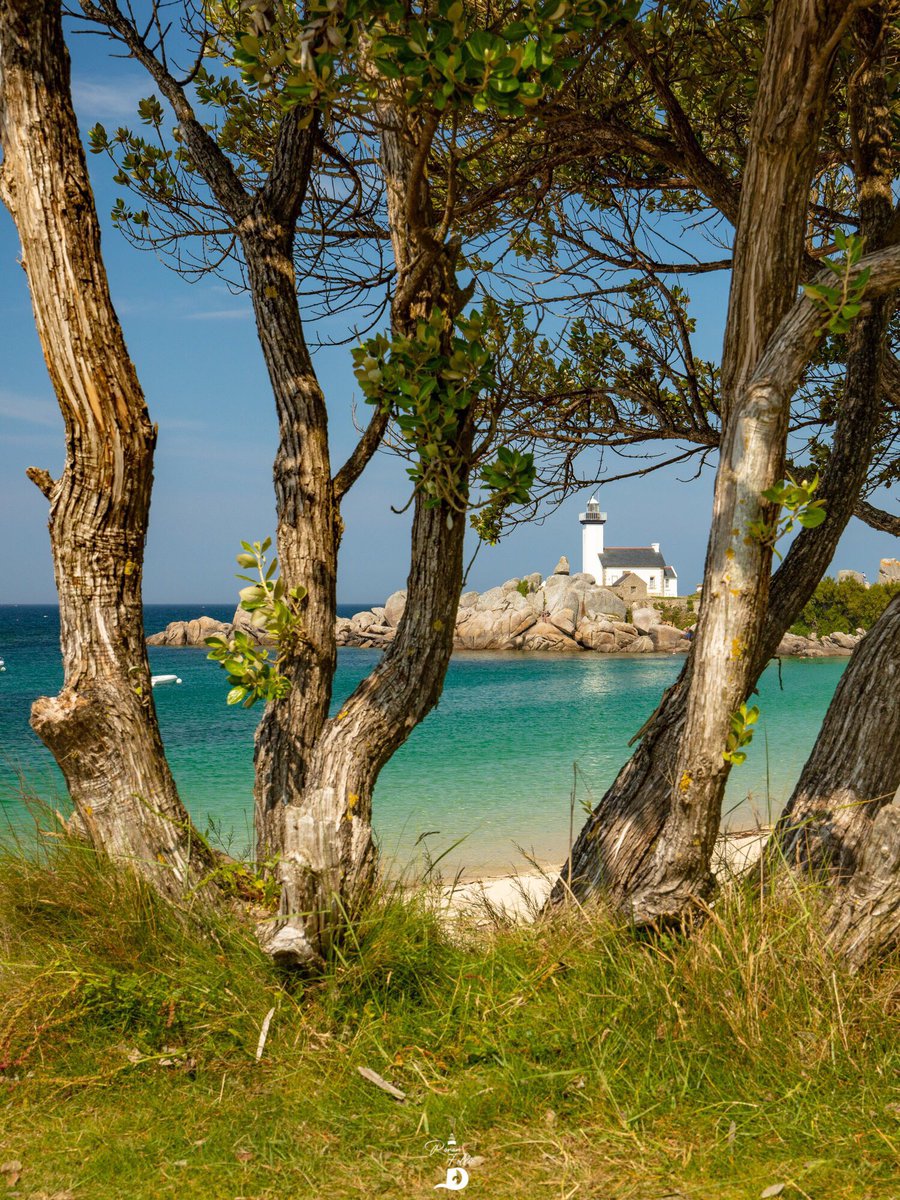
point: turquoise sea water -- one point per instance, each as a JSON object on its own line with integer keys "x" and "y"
{"x": 493, "y": 764}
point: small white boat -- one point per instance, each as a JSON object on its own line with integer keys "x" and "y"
{"x": 2, "y": 666}
{"x": 160, "y": 680}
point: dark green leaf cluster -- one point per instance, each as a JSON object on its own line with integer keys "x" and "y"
{"x": 740, "y": 734}
{"x": 446, "y": 55}
{"x": 428, "y": 382}
{"x": 508, "y": 481}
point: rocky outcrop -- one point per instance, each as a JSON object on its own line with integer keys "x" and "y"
{"x": 834, "y": 645}
{"x": 189, "y": 633}
{"x": 562, "y": 613}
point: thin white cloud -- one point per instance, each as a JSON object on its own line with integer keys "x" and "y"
{"x": 99, "y": 101}
{"x": 219, "y": 314}
{"x": 31, "y": 410}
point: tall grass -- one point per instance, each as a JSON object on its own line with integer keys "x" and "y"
{"x": 571, "y": 1058}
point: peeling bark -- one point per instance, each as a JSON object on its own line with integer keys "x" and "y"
{"x": 102, "y": 727}
{"x": 854, "y": 768}
{"x": 864, "y": 921}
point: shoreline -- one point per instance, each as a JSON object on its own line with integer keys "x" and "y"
{"x": 520, "y": 895}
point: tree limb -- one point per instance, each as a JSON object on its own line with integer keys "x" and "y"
{"x": 42, "y": 480}
{"x": 877, "y": 518}
{"x": 215, "y": 167}
{"x": 365, "y": 448}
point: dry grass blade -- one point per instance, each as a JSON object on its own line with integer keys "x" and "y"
{"x": 374, "y": 1077}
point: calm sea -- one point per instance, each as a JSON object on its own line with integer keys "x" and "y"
{"x": 492, "y": 765}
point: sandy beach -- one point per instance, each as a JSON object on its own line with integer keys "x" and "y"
{"x": 520, "y": 895}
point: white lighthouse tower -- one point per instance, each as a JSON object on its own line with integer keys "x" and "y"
{"x": 592, "y": 523}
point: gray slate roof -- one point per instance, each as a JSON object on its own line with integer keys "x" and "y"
{"x": 628, "y": 557}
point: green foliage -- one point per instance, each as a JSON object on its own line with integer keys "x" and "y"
{"x": 428, "y": 383}
{"x": 843, "y": 302}
{"x": 146, "y": 165}
{"x": 443, "y": 54}
{"x": 844, "y": 607}
{"x": 740, "y": 734}
{"x": 507, "y": 482}
{"x": 796, "y": 507}
{"x": 253, "y": 672}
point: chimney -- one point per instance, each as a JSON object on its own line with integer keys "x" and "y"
{"x": 655, "y": 546}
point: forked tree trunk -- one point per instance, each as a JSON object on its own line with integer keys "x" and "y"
{"x": 801, "y": 44}
{"x": 102, "y": 727}
{"x": 854, "y": 768}
{"x": 646, "y": 846}
{"x": 327, "y": 856}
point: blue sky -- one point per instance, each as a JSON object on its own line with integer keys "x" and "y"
{"x": 196, "y": 352}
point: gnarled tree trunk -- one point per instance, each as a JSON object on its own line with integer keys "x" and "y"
{"x": 864, "y": 921}
{"x": 850, "y": 775}
{"x": 314, "y": 776}
{"x": 102, "y": 727}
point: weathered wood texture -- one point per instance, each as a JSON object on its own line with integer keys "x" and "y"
{"x": 864, "y": 921}
{"x": 315, "y": 776}
{"x": 646, "y": 847}
{"x": 327, "y": 857}
{"x": 102, "y": 727}
{"x": 854, "y": 768}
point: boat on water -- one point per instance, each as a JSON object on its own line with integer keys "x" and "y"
{"x": 161, "y": 680}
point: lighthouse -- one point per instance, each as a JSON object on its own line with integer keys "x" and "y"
{"x": 632, "y": 569}
{"x": 592, "y": 523}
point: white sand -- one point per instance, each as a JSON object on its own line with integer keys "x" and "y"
{"x": 521, "y": 895}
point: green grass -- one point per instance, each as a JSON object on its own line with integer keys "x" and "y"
{"x": 573, "y": 1060}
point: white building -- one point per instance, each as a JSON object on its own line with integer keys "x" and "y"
{"x": 608, "y": 564}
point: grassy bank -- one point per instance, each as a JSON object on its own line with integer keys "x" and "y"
{"x": 571, "y": 1060}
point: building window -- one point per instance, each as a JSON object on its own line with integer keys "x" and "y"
{"x": 652, "y": 581}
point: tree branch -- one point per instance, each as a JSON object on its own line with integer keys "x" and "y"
{"x": 358, "y": 460}
{"x": 42, "y": 480}
{"x": 877, "y": 518}
{"x": 215, "y": 167}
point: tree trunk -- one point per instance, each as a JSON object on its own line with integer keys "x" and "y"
{"x": 825, "y": 822}
{"x": 647, "y": 845}
{"x": 102, "y": 727}
{"x": 854, "y": 768}
{"x": 308, "y": 535}
{"x": 327, "y": 856}
{"x": 864, "y": 921}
